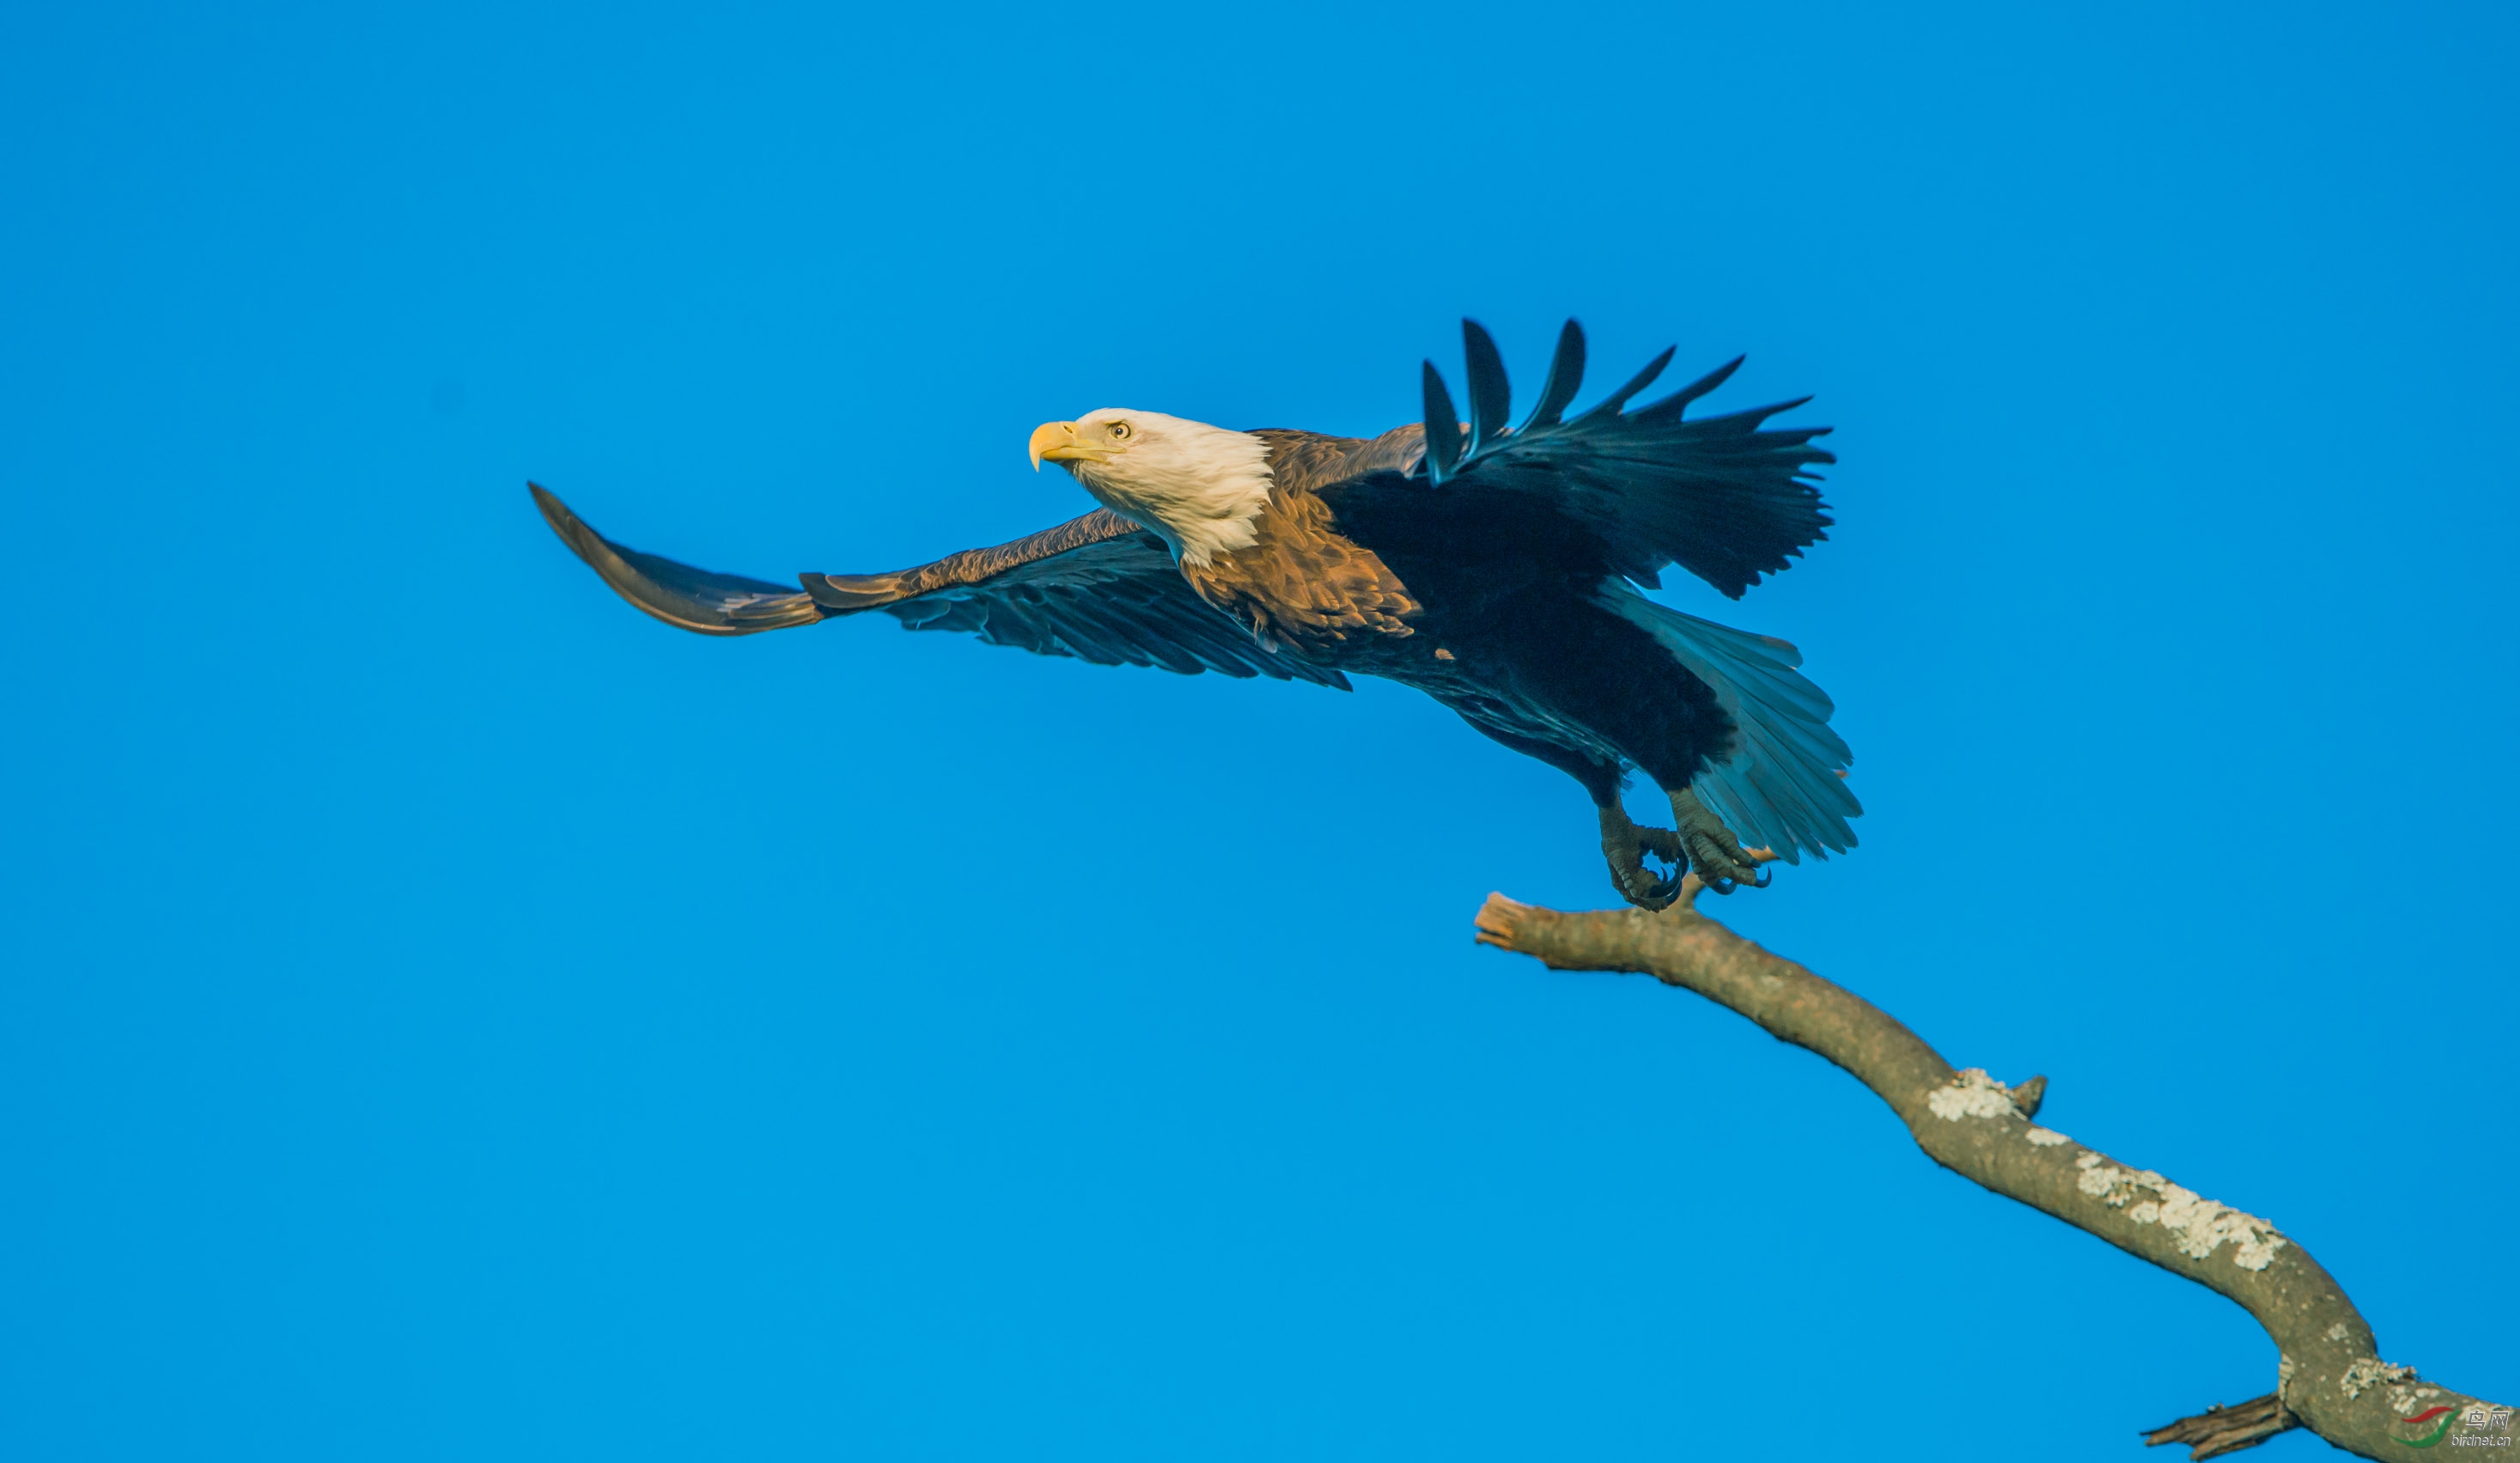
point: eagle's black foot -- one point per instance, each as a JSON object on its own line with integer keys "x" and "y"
{"x": 1722, "y": 863}
{"x": 1625, "y": 844}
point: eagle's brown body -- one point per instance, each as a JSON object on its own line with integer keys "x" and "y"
{"x": 1305, "y": 587}
{"x": 1491, "y": 574}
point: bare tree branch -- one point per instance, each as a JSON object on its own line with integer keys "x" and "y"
{"x": 2330, "y": 1379}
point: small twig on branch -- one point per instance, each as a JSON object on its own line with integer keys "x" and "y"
{"x": 2220, "y": 1429}
{"x": 2330, "y": 1379}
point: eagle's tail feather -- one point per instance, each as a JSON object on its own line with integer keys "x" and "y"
{"x": 1782, "y": 787}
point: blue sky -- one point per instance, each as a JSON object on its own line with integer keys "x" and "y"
{"x": 450, "y": 1015}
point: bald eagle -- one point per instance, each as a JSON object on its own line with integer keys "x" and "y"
{"x": 1493, "y": 568}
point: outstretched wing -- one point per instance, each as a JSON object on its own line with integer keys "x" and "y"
{"x": 1719, "y": 496}
{"x": 1099, "y": 588}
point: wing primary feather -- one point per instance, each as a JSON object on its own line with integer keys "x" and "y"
{"x": 1677, "y": 401}
{"x": 1566, "y": 379}
{"x": 1491, "y": 398}
{"x": 682, "y": 596}
{"x": 1611, "y": 404}
{"x": 1744, "y": 423}
{"x": 1443, "y": 427}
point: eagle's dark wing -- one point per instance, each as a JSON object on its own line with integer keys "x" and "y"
{"x": 684, "y": 597}
{"x": 1097, "y": 587}
{"x": 1724, "y": 499}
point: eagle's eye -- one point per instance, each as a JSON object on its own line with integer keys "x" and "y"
{"x": 1120, "y": 432}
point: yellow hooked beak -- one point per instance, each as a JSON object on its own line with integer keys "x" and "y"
{"x": 1058, "y": 441}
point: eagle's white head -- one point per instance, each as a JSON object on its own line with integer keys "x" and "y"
{"x": 1197, "y": 487}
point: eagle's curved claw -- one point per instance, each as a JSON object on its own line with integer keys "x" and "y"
{"x": 1625, "y": 844}
{"x": 1720, "y": 861}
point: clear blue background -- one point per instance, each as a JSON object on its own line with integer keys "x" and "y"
{"x": 448, "y": 1014}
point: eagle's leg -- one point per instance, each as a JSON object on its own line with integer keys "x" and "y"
{"x": 1625, "y": 843}
{"x": 1722, "y": 863}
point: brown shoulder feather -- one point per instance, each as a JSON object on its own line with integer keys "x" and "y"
{"x": 1311, "y": 461}
{"x": 1303, "y": 583}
